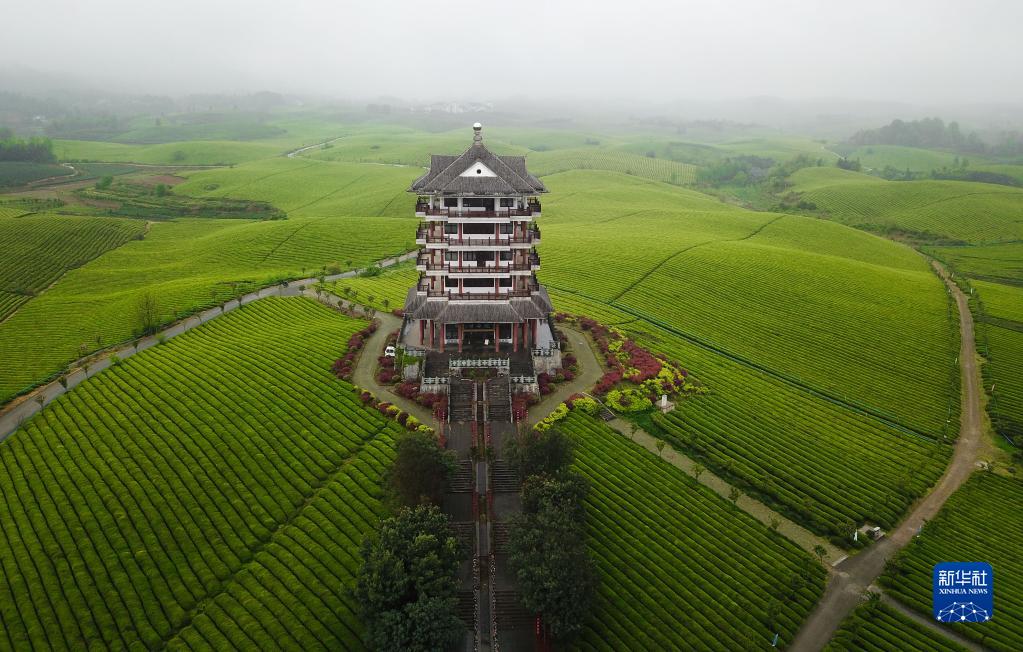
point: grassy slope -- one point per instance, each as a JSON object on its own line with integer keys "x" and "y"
{"x": 210, "y": 492}
{"x": 980, "y": 522}
{"x": 813, "y": 300}
{"x": 40, "y": 248}
{"x": 680, "y": 567}
{"x": 1001, "y": 301}
{"x": 902, "y": 158}
{"x": 972, "y": 212}
{"x": 999, "y": 263}
{"x": 306, "y": 188}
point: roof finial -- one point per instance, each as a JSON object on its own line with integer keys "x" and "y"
{"x": 477, "y": 137}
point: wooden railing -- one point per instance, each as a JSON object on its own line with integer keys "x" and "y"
{"x": 532, "y": 236}
{"x": 533, "y": 208}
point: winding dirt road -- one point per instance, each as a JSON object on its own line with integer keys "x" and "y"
{"x": 853, "y": 576}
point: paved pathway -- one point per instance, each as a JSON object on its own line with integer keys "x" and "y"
{"x": 589, "y": 373}
{"x": 857, "y": 573}
{"x": 14, "y": 413}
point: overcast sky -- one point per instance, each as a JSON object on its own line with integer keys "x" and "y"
{"x": 901, "y": 50}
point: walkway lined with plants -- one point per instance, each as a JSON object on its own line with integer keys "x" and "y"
{"x": 20, "y": 409}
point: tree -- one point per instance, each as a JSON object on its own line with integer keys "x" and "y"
{"x": 160, "y": 190}
{"x": 539, "y": 452}
{"x": 820, "y": 551}
{"x": 698, "y": 470}
{"x": 147, "y": 313}
{"x": 633, "y": 429}
{"x": 547, "y": 552}
{"x": 659, "y": 445}
{"x": 406, "y": 586}
{"x": 734, "y": 494}
{"x": 775, "y": 524}
{"x": 104, "y": 182}
{"x": 421, "y": 470}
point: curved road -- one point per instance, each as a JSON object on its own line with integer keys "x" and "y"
{"x": 855, "y": 575}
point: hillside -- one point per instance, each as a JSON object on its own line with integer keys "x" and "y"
{"x": 183, "y": 497}
{"x": 978, "y": 213}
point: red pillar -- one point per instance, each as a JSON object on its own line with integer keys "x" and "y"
{"x": 497, "y": 338}
{"x": 441, "y": 328}
{"x": 525, "y": 336}
{"x": 433, "y": 333}
{"x": 460, "y": 327}
{"x": 532, "y": 323}
{"x": 515, "y": 338}
{"x": 422, "y": 331}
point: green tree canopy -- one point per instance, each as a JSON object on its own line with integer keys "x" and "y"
{"x": 408, "y": 581}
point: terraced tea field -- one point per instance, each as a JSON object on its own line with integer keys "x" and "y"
{"x": 211, "y": 492}
{"x": 384, "y": 292}
{"x": 981, "y": 522}
{"x": 999, "y": 263}
{"x": 680, "y": 568}
{"x": 187, "y": 264}
{"x": 309, "y": 188}
{"x": 978, "y": 213}
{"x": 41, "y": 248}
{"x": 877, "y": 157}
{"x": 877, "y": 626}
{"x": 561, "y": 160}
{"x": 855, "y": 316}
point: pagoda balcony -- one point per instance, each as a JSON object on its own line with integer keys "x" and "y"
{"x": 476, "y": 296}
{"x": 424, "y": 209}
{"x": 424, "y": 237}
{"x": 424, "y": 264}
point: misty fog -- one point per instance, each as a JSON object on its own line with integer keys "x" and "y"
{"x": 636, "y": 53}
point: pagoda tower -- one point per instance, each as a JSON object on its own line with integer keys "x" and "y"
{"x": 477, "y": 291}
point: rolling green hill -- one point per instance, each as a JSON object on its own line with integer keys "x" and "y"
{"x": 819, "y": 302}
{"x": 951, "y": 210}
{"x": 876, "y": 157}
{"x": 41, "y": 248}
{"x": 307, "y": 188}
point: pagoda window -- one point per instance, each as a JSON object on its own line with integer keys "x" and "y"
{"x": 451, "y": 256}
{"x": 450, "y": 229}
{"x": 506, "y": 255}
{"x": 450, "y": 282}
{"x": 507, "y": 202}
{"x": 451, "y": 202}
{"x": 504, "y": 282}
{"x": 478, "y": 283}
{"x": 506, "y": 228}
{"x": 478, "y": 229}
{"x": 479, "y": 202}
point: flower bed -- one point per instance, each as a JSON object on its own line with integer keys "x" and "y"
{"x": 634, "y": 380}
{"x": 635, "y": 377}
{"x": 343, "y": 366}
{"x": 392, "y": 411}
